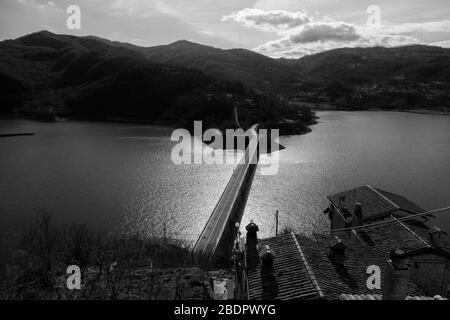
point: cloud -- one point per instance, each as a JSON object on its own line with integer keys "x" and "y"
{"x": 272, "y": 21}
{"x": 121, "y": 8}
{"x": 323, "y": 36}
{"x": 443, "y": 44}
{"x": 433, "y": 26}
{"x": 301, "y": 34}
{"x": 279, "y": 4}
{"x": 326, "y": 31}
{"x": 140, "y": 9}
{"x": 36, "y": 4}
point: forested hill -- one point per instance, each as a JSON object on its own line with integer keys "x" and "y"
{"x": 415, "y": 62}
{"x": 46, "y": 76}
{"x": 251, "y": 68}
{"x": 388, "y": 78}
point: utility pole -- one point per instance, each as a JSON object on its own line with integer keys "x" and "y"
{"x": 276, "y": 223}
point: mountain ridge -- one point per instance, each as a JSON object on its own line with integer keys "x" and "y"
{"x": 46, "y": 76}
{"x": 347, "y": 78}
{"x": 398, "y": 78}
{"x": 261, "y": 72}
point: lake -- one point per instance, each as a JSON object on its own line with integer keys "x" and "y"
{"x": 120, "y": 176}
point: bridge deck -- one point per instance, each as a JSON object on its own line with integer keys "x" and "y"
{"x": 214, "y": 228}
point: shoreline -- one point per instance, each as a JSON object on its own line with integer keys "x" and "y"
{"x": 133, "y": 121}
{"x": 426, "y": 112}
{"x": 8, "y": 135}
{"x": 416, "y": 111}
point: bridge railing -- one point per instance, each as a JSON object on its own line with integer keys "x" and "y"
{"x": 247, "y": 164}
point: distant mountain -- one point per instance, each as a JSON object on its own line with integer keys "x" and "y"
{"x": 256, "y": 70}
{"x": 365, "y": 65}
{"x": 46, "y": 76}
{"x": 388, "y": 78}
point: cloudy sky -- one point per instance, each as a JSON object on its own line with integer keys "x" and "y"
{"x": 277, "y": 28}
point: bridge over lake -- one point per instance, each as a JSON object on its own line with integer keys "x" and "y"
{"x": 221, "y": 227}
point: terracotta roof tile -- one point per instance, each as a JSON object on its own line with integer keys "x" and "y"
{"x": 288, "y": 279}
{"x": 402, "y": 202}
{"x": 303, "y": 269}
{"x": 336, "y": 279}
{"x": 391, "y": 234}
{"x": 376, "y": 203}
{"x": 423, "y": 231}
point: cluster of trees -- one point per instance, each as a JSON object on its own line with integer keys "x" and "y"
{"x": 45, "y": 76}
{"x": 33, "y": 260}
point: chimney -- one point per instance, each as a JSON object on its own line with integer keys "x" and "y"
{"x": 252, "y": 244}
{"x": 437, "y": 236}
{"x": 252, "y": 236}
{"x": 358, "y": 218}
{"x": 341, "y": 202}
{"x": 396, "y": 278}
{"x": 337, "y": 251}
{"x": 267, "y": 256}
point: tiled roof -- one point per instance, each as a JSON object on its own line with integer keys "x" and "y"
{"x": 289, "y": 278}
{"x": 423, "y": 231}
{"x": 376, "y": 203}
{"x": 402, "y": 202}
{"x": 410, "y": 236}
{"x": 378, "y": 297}
{"x": 302, "y": 269}
{"x": 391, "y": 234}
{"x": 335, "y": 279}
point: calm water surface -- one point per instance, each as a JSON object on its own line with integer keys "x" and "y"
{"x": 106, "y": 175}
{"x": 111, "y": 175}
{"x": 403, "y": 153}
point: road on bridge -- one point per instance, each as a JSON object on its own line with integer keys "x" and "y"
{"x": 214, "y": 228}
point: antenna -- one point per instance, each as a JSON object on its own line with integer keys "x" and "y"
{"x": 276, "y": 223}
{"x": 165, "y": 233}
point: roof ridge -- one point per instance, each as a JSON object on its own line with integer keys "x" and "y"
{"x": 412, "y": 232}
{"x": 383, "y": 196}
{"x": 309, "y": 271}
